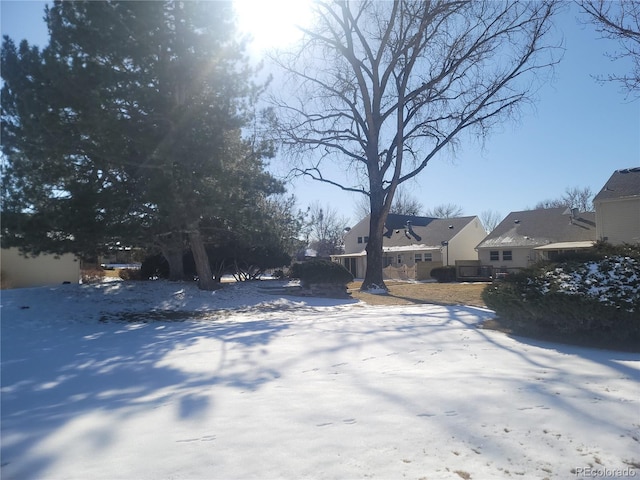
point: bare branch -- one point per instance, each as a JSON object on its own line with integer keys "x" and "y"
{"x": 385, "y": 86}
{"x": 619, "y": 21}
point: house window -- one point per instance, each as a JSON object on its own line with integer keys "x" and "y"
{"x": 427, "y": 257}
{"x": 418, "y": 257}
{"x": 399, "y": 259}
{"x": 359, "y": 239}
{"x": 366, "y": 239}
{"x": 507, "y": 255}
{"x": 494, "y": 255}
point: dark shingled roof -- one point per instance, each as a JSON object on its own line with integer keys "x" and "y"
{"x": 622, "y": 184}
{"x": 395, "y": 221}
{"x": 423, "y": 231}
{"x": 420, "y": 231}
{"x": 533, "y": 228}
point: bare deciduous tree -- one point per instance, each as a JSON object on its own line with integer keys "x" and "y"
{"x": 619, "y": 21}
{"x": 326, "y": 229}
{"x": 576, "y": 197}
{"x": 490, "y": 219}
{"x": 446, "y": 210}
{"x": 378, "y": 89}
{"x": 405, "y": 204}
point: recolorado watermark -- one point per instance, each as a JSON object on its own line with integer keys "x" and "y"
{"x": 604, "y": 472}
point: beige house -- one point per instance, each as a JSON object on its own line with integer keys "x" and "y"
{"x": 618, "y": 208}
{"x": 17, "y": 271}
{"x": 526, "y": 237}
{"x": 412, "y": 246}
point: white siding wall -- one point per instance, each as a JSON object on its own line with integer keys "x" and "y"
{"x": 462, "y": 246}
{"x": 361, "y": 230}
{"x": 18, "y": 271}
{"x": 618, "y": 221}
{"x": 520, "y": 257}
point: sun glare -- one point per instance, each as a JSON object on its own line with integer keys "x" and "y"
{"x": 272, "y": 23}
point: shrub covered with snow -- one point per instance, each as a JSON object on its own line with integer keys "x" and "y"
{"x": 614, "y": 282}
{"x": 595, "y": 297}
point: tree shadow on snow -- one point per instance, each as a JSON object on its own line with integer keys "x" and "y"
{"x": 50, "y": 381}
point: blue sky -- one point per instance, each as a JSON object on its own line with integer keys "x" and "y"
{"x": 577, "y": 133}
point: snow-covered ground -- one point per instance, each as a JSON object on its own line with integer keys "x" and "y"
{"x": 255, "y": 385}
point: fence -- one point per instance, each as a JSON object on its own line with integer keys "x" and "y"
{"x": 403, "y": 272}
{"x": 472, "y": 270}
{"x": 417, "y": 271}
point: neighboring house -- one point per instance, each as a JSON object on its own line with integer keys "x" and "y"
{"x": 18, "y": 271}
{"x": 523, "y": 238}
{"x": 618, "y": 208}
{"x": 412, "y": 246}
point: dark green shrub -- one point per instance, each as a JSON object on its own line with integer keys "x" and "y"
{"x": 598, "y": 252}
{"x": 444, "y": 274}
{"x": 320, "y": 271}
{"x": 534, "y": 301}
{"x": 154, "y": 266}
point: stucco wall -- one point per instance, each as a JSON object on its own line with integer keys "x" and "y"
{"x": 18, "y": 271}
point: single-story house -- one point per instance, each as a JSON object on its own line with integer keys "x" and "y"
{"x": 617, "y": 208}
{"x": 412, "y": 245}
{"x": 528, "y": 236}
{"x": 18, "y": 271}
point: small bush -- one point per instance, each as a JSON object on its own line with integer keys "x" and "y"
{"x": 444, "y": 274}
{"x": 93, "y": 274}
{"x": 320, "y": 271}
{"x": 5, "y": 282}
{"x": 131, "y": 274}
{"x": 154, "y": 266}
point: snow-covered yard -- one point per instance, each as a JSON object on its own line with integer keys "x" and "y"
{"x": 256, "y": 385}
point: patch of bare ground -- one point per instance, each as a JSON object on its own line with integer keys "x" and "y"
{"x": 403, "y": 293}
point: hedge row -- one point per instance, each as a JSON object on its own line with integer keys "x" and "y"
{"x": 591, "y": 295}
{"x": 320, "y": 271}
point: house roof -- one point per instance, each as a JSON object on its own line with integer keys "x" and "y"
{"x": 622, "y": 184}
{"x": 533, "y": 228}
{"x": 566, "y": 245}
{"x": 423, "y": 233}
{"x": 395, "y": 221}
{"x": 409, "y": 233}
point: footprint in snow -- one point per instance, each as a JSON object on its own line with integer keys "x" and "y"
{"x": 206, "y": 438}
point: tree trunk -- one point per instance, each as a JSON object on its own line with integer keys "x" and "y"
{"x": 176, "y": 263}
{"x": 201, "y": 259}
{"x": 373, "y": 277}
{"x": 172, "y": 248}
